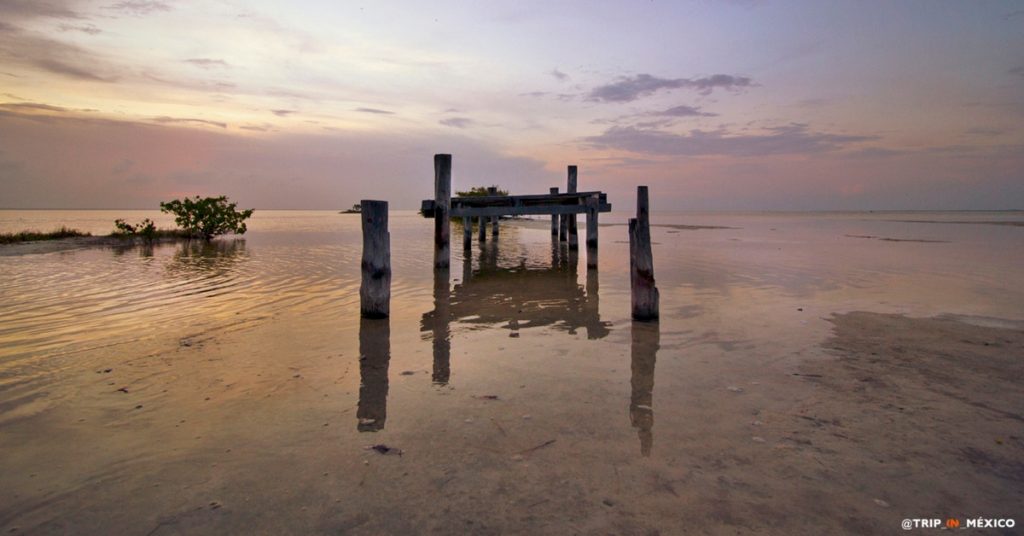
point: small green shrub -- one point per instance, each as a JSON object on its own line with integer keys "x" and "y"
{"x": 480, "y": 191}
{"x": 146, "y": 228}
{"x": 207, "y": 217}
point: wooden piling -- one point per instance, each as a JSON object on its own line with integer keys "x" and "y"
{"x": 442, "y": 208}
{"x": 482, "y": 231}
{"x": 375, "y": 290}
{"x": 641, "y": 261}
{"x": 592, "y": 212}
{"x": 554, "y": 218}
{"x": 493, "y": 190}
{"x": 571, "y": 225}
{"x": 467, "y": 232}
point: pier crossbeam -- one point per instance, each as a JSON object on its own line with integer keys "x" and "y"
{"x": 520, "y": 205}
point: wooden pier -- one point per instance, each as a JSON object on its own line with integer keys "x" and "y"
{"x": 375, "y": 291}
{"x": 562, "y": 208}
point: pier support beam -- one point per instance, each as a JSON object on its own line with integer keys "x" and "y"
{"x": 493, "y": 190}
{"x": 592, "y": 211}
{"x": 467, "y": 232}
{"x": 442, "y": 207}
{"x": 573, "y": 238}
{"x": 375, "y": 289}
{"x": 641, "y": 261}
{"x": 554, "y": 218}
{"x": 482, "y": 231}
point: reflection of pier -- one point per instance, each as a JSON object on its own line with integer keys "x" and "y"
{"x": 646, "y": 338}
{"x": 519, "y": 297}
{"x": 514, "y": 298}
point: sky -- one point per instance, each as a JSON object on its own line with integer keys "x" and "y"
{"x": 715, "y": 105}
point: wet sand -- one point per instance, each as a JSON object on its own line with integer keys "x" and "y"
{"x": 777, "y": 395}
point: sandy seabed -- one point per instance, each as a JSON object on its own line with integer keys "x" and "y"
{"x": 791, "y": 387}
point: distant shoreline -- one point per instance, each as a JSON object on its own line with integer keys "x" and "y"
{"x": 82, "y": 242}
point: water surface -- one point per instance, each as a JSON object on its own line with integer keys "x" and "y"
{"x": 233, "y": 387}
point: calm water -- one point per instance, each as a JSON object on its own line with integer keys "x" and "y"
{"x": 248, "y": 354}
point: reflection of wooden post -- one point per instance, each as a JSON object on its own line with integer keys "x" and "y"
{"x": 593, "y": 203}
{"x": 573, "y": 238}
{"x": 440, "y": 328}
{"x": 554, "y": 217}
{"x": 374, "y": 358}
{"x": 643, "y": 354}
{"x": 467, "y": 232}
{"x": 375, "y": 290}
{"x": 641, "y": 261}
{"x": 493, "y": 190}
{"x": 442, "y": 208}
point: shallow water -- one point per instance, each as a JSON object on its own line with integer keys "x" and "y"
{"x": 233, "y": 387}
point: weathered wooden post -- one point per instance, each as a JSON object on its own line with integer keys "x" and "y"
{"x": 467, "y": 232}
{"x": 482, "y": 231}
{"x": 563, "y": 228}
{"x": 554, "y": 217}
{"x": 641, "y": 261}
{"x": 442, "y": 208}
{"x": 593, "y": 204}
{"x": 375, "y": 290}
{"x": 493, "y": 190}
{"x": 573, "y": 238}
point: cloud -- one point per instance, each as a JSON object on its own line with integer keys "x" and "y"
{"x": 457, "y": 122}
{"x": 627, "y": 89}
{"x": 874, "y": 152}
{"x": 31, "y": 106}
{"x": 374, "y": 111}
{"x": 559, "y": 75}
{"x": 71, "y": 71}
{"x": 31, "y": 9}
{"x": 165, "y": 119}
{"x": 207, "y": 63}
{"x": 35, "y": 50}
{"x": 84, "y": 28}
{"x": 987, "y": 131}
{"x": 684, "y": 111}
{"x": 789, "y": 139}
{"x": 283, "y": 113}
{"x": 139, "y": 7}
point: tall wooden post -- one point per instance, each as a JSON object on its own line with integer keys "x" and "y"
{"x": 641, "y": 261}
{"x": 573, "y": 238}
{"x": 554, "y": 217}
{"x": 442, "y": 208}
{"x": 482, "y": 231}
{"x": 493, "y": 190}
{"x": 467, "y": 232}
{"x": 375, "y": 289}
{"x": 593, "y": 205}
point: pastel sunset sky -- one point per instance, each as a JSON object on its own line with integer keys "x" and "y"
{"x": 741, "y": 105}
